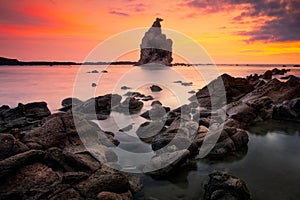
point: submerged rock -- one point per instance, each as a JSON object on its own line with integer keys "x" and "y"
{"x": 155, "y": 47}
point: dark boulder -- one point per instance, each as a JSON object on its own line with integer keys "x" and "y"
{"x": 225, "y": 187}
{"x": 267, "y": 75}
{"x": 214, "y": 94}
{"x": 288, "y": 110}
{"x": 10, "y": 146}
{"x": 155, "y": 88}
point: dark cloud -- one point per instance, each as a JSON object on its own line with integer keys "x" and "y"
{"x": 119, "y": 13}
{"x": 283, "y": 23}
{"x": 140, "y": 7}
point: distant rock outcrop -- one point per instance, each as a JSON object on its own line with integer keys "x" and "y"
{"x": 155, "y": 47}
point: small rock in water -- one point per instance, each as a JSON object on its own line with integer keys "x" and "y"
{"x": 155, "y": 88}
{"x": 125, "y": 88}
{"x": 104, "y": 71}
{"x": 156, "y": 103}
{"x": 95, "y": 71}
{"x": 94, "y": 84}
{"x": 177, "y": 81}
{"x": 187, "y": 83}
{"x": 191, "y": 92}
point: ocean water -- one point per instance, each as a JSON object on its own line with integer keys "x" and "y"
{"x": 24, "y": 84}
{"x": 270, "y": 165}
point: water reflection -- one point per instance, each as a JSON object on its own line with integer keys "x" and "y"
{"x": 270, "y": 167}
{"x": 278, "y": 126}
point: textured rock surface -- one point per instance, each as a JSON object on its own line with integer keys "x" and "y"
{"x": 155, "y": 47}
{"x": 225, "y": 187}
{"x": 62, "y": 168}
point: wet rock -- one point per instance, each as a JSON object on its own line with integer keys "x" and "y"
{"x": 60, "y": 131}
{"x": 30, "y": 181}
{"x": 148, "y": 130}
{"x": 130, "y": 105}
{"x": 291, "y": 77}
{"x": 223, "y": 186}
{"x": 94, "y": 84}
{"x": 68, "y": 102}
{"x": 288, "y": 110}
{"x": 94, "y": 71}
{"x": 187, "y": 83}
{"x": 67, "y": 194}
{"x": 22, "y": 116}
{"x": 72, "y": 162}
{"x": 101, "y": 181}
{"x": 267, "y": 75}
{"x": 241, "y": 112}
{"x": 74, "y": 177}
{"x": 166, "y": 163}
{"x": 230, "y": 140}
{"x": 109, "y": 196}
{"x": 235, "y": 88}
{"x": 99, "y": 105}
{"x": 156, "y": 103}
{"x": 14, "y": 162}
{"x": 276, "y": 71}
{"x": 155, "y": 88}
{"x": 104, "y": 71}
{"x": 157, "y": 112}
{"x": 147, "y": 98}
{"x": 155, "y": 47}
{"x": 10, "y": 146}
{"x": 125, "y": 88}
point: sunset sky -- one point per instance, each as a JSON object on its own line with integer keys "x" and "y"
{"x": 232, "y": 31}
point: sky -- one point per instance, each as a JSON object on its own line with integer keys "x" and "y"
{"x": 231, "y": 31}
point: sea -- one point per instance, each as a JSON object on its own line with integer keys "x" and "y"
{"x": 270, "y": 165}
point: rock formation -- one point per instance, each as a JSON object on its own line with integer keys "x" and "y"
{"x": 155, "y": 47}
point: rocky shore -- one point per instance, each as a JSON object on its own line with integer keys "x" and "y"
{"x": 42, "y": 155}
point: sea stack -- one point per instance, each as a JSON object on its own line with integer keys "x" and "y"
{"x": 155, "y": 47}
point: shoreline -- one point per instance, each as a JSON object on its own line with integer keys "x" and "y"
{"x": 15, "y": 62}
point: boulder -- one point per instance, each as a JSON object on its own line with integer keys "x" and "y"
{"x": 157, "y": 112}
{"x": 102, "y": 181}
{"x": 148, "y": 130}
{"x": 235, "y": 88}
{"x": 225, "y": 187}
{"x": 288, "y": 110}
{"x": 29, "y": 182}
{"x": 60, "y": 131}
{"x": 12, "y": 163}
{"x": 164, "y": 164}
{"x": 10, "y": 146}
{"x": 267, "y": 75}
{"x": 130, "y": 105}
{"x": 155, "y": 88}
{"x": 23, "y": 116}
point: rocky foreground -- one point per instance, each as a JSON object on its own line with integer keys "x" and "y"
{"x": 43, "y": 157}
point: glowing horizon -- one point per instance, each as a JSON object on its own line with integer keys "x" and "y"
{"x": 241, "y": 32}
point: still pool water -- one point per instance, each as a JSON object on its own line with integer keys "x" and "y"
{"x": 270, "y": 167}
